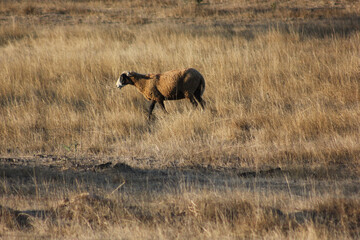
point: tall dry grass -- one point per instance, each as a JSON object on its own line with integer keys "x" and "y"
{"x": 282, "y": 89}
{"x": 281, "y": 96}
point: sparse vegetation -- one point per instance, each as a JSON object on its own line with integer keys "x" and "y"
{"x": 282, "y": 91}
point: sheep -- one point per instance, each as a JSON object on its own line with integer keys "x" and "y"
{"x": 172, "y": 85}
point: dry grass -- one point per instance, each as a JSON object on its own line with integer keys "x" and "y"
{"x": 123, "y": 202}
{"x": 186, "y": 214}
{"x": 274, "y": 93}
{"x": 282, "y": 90}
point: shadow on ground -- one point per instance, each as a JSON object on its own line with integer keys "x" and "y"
{"x": 25, "y": 175}
{"x": 99, "y": 180}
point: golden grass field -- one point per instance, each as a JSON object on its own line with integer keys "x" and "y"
{"x": 274, "y": 155}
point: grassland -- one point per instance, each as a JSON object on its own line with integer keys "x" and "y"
{"x": 282, "y": 93}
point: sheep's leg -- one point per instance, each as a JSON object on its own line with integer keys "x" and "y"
{"x": 152, "y": 105}
{"x": 193, "y": 101}
{"x": 201, "y": 101}
{"x": 162, "y": 106}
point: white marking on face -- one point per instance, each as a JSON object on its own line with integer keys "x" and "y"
{"x": 118, "y": 83}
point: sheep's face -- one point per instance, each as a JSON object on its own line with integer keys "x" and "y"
{"x": 123, "y": 80}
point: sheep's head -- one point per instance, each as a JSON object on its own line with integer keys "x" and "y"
{"x": 124, "y": 80}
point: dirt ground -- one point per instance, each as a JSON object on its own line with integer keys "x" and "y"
{"x": 108, "y": 173}
{"x": 45, "y": 187}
